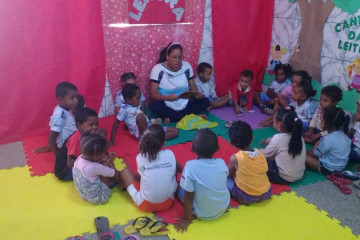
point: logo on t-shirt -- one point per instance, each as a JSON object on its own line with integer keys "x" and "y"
{"x": 142, "y": 169}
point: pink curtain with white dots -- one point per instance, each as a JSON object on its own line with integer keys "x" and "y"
{"x": 134, "y": 48}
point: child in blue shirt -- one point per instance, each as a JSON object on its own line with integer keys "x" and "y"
{"x": 332, "y": 153}
{"x": 203, "y": 182}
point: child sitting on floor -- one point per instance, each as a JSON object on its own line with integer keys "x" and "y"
{"x": 94, "y": 170}
{"x": 285, "y": 97}
{"x": 157, "y": 169}
{"x": 286, "y": 150}
{"x": 203, "y": 182}
{"x": 330, "y": 96}
{"x": 266, "y": 100}
{"x": 304, "y": 106}
{"x": 247, "y": 181}
{"x": 332, "y": 153}
{"x": 242, "y": 92}
{"x": 62, "y": 123}
{"x": 205, "y": 84}
{"x": 86, "y": 121}
{"x": 134, "y": 118}
{"x": 355, "y": 135}
{"x": 126, "y": 78}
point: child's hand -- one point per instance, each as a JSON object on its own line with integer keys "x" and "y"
{"x": 265, "y": 141}
{"x": 237, "y": 110}
{"x": 182, "y": 225}
{"x": 112, "y": 156}
{"x": 199, "y": 95}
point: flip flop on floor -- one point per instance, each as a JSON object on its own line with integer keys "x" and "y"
{"x": 343, "y": 188}
{"x": 351, "y": 175}
{"x": 338, "y": 176}
{"x": 158, "y": 228}
{"x": 103, "y": 229}
{"x": 77, "y": 238}
{"x": 137, "y": 224}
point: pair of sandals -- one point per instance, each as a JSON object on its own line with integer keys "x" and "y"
{"x": 147, "y": 227}
{"x": 341, "y": 182}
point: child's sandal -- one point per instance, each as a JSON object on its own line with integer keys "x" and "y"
{"x": 137, "y": 225}
{"x": 158, "y": 228}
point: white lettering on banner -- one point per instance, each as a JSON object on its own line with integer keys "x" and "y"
{"x": 172, "y": 3}
{"x": 178, "y": 12}
{"x": 134, "y": 16}
{"x": 141, "y": 5}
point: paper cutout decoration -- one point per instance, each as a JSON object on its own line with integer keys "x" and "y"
{"x": 297, "y": 48}
{"x": 354, "y": 74}
{"x": 277, "y": 52}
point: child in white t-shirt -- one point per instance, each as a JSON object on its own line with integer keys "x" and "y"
{"x": 126, "y": 78}
{"x": 304, "y": 106}
{"x": 206, "y": 85}
{"x": 135, "y": 120}
{"x": 157, "y": 169}
{"x": 203, "y": 182}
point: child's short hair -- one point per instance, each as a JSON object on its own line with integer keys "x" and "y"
{"x": 152, "y": 141}
{"x": 129, "y": 90}
{"x": 63, "y": 88}
{"x": 285, "y": 67}
{"x": 307, "y": 89}
{"x": 305, "y": 77}
{"x": 91, "y": 144}
{"x": 205, "y": 143}
{"x": 202, "y": 67}
{"x": 126, "y": 76}
{"x": 82, "y": 114}
{"x": 240, "y": 134}
{"x": 247, "y": 73}
{"x": 333, "y": 92}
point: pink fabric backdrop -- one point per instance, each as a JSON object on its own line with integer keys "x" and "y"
{"x": 136, "y": 48}
{"x": 42, "y": 43}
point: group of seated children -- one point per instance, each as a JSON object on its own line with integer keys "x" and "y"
{"x": 206, "y": 184}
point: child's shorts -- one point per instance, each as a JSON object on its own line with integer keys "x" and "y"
{"x": 354, "y": 153}
{"x": 323, "y": 170}
{"x": 243, "y": 197}
{"x": 143, "y": 204}
{"x": 273, "y": 173}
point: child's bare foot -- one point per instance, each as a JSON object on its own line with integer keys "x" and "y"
{"x": 156, "y": 121}
{"x": 203, "y": 116}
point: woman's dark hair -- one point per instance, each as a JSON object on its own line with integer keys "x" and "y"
{"x": 205, "y": 143}
{"x": 129, "y": 90}
{"x": 126, "y": 76}
{"x": 333, "y": 92}
{"x": 202, "y": 67}
{"x": 307, "y": 89}
{"x": 305, "y": 77}
{"x": 292, "y": 124}
{"x": 152, "y": 141}
{"x": 285, "y": 67}
{"x": 167, "y": 50}
{"x": 335, "y": 118}
{"x": 240, "y": 134}
{"x": 91, "y": 144}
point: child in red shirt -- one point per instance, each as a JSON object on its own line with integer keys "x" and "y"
{"x": 242, "y": 93}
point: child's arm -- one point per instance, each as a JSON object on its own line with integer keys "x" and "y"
{"x": 232, "y": 166}
{"x": 272, "y": 148}
{"x": 184, "y": 222}
{"x": 143, "y": 105}
{"x": 237, "y": 108}
{"x": 271, "y": 93}
{"x": 235, "y": 95}
{"x": 113, "y": 131}
{"x": 117, "y": 109}
{"x": 179, "y": 168}
{"x": 52, "y": 141}
{"x": 71, "y": 160}
{"x": 250, "y": 99}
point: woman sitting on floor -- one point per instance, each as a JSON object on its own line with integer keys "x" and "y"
{"x": 170, "y": 79}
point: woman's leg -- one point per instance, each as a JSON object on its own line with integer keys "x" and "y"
{"x": 164, "y": 111}
{"x": 196, "y": 106}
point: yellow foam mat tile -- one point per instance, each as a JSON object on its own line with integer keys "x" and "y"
{"x": 286, "y": 216}
{"x": 44, "y": 208}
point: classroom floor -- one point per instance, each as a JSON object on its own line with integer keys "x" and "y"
{"x": 39, "y": 207}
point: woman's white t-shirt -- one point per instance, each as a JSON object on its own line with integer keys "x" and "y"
{"x": 173, "y": 83}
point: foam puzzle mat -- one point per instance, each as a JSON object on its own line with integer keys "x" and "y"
{"x": 44, "y": 208}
